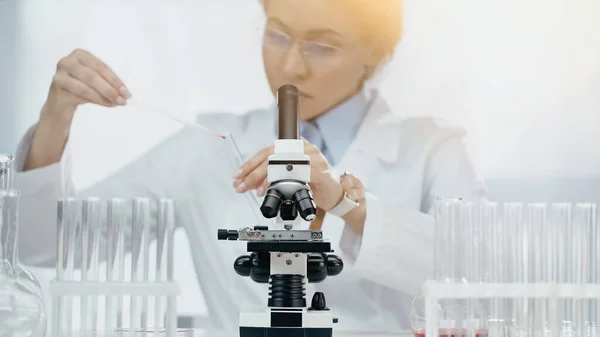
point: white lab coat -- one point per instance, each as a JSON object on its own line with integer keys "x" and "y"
{"x": 405, "y": 164}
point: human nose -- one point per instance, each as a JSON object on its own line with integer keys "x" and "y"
{"x": 294, "y": 64}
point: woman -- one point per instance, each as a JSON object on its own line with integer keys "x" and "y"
{"x": 377, "y": 216}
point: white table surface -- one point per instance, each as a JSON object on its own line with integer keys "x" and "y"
{"x": 204, "y": 333}
{"x": 210, "y": 333}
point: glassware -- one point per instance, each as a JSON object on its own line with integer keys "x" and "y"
{"x": 6, "y": 171}
{"x": 547, "y": 248}
{"x": 460, "y": 257}
{"x": 22, "y": 309}
{"x": 151, "y": 332}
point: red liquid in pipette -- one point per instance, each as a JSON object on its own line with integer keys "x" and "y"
{"x": 451, "y": 333}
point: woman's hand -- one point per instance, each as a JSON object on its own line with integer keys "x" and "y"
{"x": 80, "y": 78}
{"x": 83, "y": 78}
{"x": 324, "y": 182}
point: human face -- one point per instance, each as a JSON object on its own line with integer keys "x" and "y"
{"x": 310, "y": 44}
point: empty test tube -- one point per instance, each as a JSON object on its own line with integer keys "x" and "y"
{"x": 89, "y": 263}
{"x": 140, "y": 237}
{"x": 146, "y": 239}
{"x": 116, "y": 214}
{"x": 161, "y": 228}
{"x": 583, "y": 220}
{"x": 166, "y": 211}
{"x": 539, "y": 262}
{"x": 69, "y": 214}
{"x": 513, "y": 219}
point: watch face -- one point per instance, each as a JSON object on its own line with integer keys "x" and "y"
{"x": 353, "y": 187}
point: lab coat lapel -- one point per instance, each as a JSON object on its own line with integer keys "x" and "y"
{"x": 377, "y": 140}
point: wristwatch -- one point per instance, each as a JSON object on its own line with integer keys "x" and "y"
{"x": 354, "y": 192}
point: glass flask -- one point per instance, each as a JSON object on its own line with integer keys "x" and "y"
{"x": 22, "y": 309}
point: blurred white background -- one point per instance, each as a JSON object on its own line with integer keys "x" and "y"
{"x": 522, "y": 75}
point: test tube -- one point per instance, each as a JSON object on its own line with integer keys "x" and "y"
{"x": 492, "y": 270}
{"x": 448, "y": 255}
{"x": 161, "y": 228}
{"x": 166, "y": 211}
{"x": 140, "y": 232}
{"x": 595, "y": 277}
{"x": 89, "y": 223}
{"x": 538, "y": 268}
{"x": 97, "y": 215}
{"x": 120, "y": 258}
{"x": 57, "y": 309}
{"x": 6, "y": 171}
{"x": 114, "y": 226}
{"x": 470, "y": 234}
{"x": 513, "y": 220}
{"x": 146, "y": 239}
{"x": 583, "y": 220}
{"x": 563, "y": 221}
{"x": 69, "y": 213}
{"x": 560, "y": 222}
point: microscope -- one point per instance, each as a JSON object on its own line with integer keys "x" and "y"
{"x": 287, "y": 255}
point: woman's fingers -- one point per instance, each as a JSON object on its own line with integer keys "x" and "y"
{"x": 89, "y": 60}
{"x": 92, "y": 79}
{"x": 263, "y": 188}
{"x": 253, "y": 179}
{"x": 249, "y": 166}
{"x": 80, "y": 90}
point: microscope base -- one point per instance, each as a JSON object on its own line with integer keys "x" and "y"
{"x": 287, "y": 322}
{"x": 286, "y": 332}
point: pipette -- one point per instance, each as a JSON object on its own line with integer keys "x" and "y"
{"x": 237, "y": 155}
{"x": 239, "y": 161}
{"x": 138, "y": 101}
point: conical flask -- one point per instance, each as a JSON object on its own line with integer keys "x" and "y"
{"x": 22, "y": 309}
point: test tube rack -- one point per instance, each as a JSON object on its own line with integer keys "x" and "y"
{"x": 80, "y": 231}
{"x": 513, "y": 270}
{"x": 434, "y": 292}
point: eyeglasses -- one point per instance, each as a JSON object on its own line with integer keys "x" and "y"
{"x": 313, "y": 51}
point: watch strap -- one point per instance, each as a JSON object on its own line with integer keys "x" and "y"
{"x": 342, "y": 208}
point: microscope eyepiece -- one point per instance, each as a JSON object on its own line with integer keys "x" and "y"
{"x": 287, "y": 102}
{"x": 305, "y": 204}
{"x": 272, "y": 203}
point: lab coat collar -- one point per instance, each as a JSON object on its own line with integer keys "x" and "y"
{"x": 378, "y": 134}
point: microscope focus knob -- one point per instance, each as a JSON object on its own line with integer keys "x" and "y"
{"x": 318, "y": 302}
{"x": 335, "y": 265}
{"x": 243, "y": 265}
